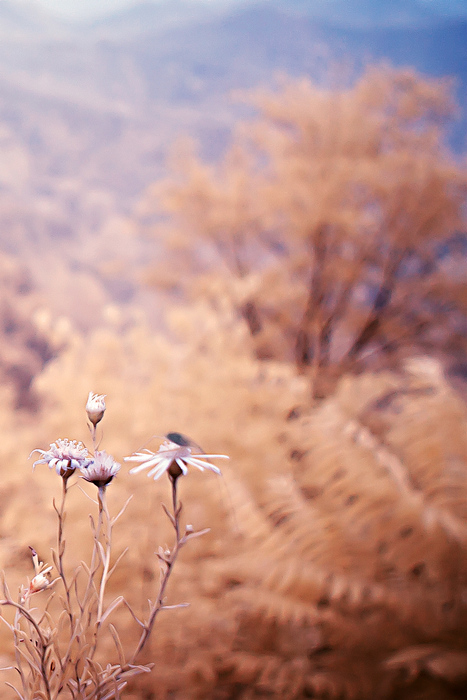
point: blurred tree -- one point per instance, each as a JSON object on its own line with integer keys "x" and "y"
{"x": 327, "y": 211}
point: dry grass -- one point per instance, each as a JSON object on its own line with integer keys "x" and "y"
{"x": 66, "y": 643}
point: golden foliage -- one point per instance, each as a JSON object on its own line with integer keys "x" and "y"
{"x": 349, "y": 578}
{"x": 327, "y": 210}
{"x": 335, "y": 566}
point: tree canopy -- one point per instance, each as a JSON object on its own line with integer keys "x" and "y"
{"x": 327, "y": 212}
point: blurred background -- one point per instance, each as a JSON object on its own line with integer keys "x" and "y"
{"x": 246, "y": 220}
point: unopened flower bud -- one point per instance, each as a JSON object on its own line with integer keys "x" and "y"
{"x": 41, "y": 580}
{"x": 95, "y": 407}
{"x": 39, "y": 583}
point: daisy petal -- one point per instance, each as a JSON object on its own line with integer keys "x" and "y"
{"x": 170, "y": 453}
{"x": 182, "y": 465}
{"x": 201, "y": 464}
{"x": 160, "y": 468}
{"x": 139, "y": 457}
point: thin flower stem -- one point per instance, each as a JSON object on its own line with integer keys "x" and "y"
{"x": 90, "y": 586}
{"x": 169, "y": 562}
{"x": 175, "y": 509}
{"x": 61, "y": 570}
{"x": 75, "y": 622}
{"x": 93, "y": 430}
{"x": 103, "y": 516}
{"x": 108, "y": 546}
{"x": 93, "y": 565}
{"x": 61, "y": 547}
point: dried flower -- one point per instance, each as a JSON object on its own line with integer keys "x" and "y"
{"x": 41, "y": 580}
{"x": 65, "y": 455}
{"x": 101, "y": 470}
{"x": 95, "y": 407}
{"x": 173, "y": 459}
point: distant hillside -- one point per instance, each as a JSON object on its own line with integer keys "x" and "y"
{"x": 155, "y": 70}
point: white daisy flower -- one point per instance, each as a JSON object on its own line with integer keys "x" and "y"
{"x": 101, "y": 470}
{"x": 95, "y": 407}
{"x": 65, "y": 456}
{"x": 172, "y": 458}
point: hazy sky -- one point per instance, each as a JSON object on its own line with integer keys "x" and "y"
{"x": 85, "y": 8}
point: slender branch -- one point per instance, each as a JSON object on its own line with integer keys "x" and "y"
{"x": 42, "y": 642}
{"x": 167, "y": 562}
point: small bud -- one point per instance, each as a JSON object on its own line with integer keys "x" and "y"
{"x": 39, "y": 583}
{"x": 41, "y": 580}
{"x": 95, "y": 407}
